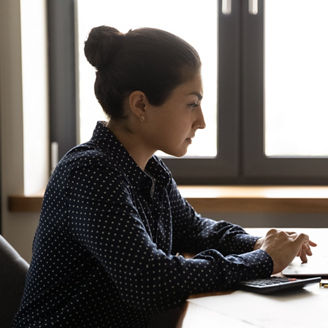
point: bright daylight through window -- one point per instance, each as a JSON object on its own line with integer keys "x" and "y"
{"x": 197, "y": 24}
{"x": 296, "y": 78}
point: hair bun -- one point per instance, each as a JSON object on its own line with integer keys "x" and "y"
{"x": 102, "y": 44}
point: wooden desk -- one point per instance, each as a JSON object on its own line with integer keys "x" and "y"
{"x": 306, "y": 307}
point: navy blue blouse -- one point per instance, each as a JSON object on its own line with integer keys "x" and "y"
{"x": 104, "y": 253}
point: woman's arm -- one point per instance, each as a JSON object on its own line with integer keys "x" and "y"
{"x": 193, "y": 233}
{"x": 103, "y": 218}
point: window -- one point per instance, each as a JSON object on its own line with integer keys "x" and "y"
{"x": 33, "y": 52}
{"x": 296, "y": 78}
{"x": 159, "y": 14}
{"x": 284, "y": 106}
{"x": 264, "y": 74}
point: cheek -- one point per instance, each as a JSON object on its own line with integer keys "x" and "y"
{"x": 177, "y": 135}
{"x": 167, "y": 134}
{"x": 157, "y": 134}
{"x": 182, "y": 126}
{"x": 172, "y": 128}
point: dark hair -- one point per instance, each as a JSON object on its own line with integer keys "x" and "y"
{"x": 146, "y": 59}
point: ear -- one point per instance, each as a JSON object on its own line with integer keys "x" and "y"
{"x": 137, "y": 104}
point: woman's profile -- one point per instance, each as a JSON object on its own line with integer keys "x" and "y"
{"x": 113, "y": 223}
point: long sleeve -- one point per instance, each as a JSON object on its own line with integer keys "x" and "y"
{"x": 102, "y": 253}
{"x": 193, "y": 233}
{"x": 104, "y": 219}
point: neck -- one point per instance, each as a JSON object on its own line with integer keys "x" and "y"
{"x": 131, "y": 142}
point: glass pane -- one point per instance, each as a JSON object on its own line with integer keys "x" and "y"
{"x": 296, "y": 78}
{"x": 193, "y": 20}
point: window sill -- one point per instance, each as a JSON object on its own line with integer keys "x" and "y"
{"x": 213, "y": 199}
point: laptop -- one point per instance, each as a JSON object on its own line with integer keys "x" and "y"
{"x": 316, "y": 266}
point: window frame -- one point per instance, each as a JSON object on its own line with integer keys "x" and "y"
{"x": 241, "y": 158}
{"x": 225, "y": 166}
{"x": 257, "y": 166}
{"x": 62, "y": 74}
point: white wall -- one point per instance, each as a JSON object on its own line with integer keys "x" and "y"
{"x": 19, "y": 229}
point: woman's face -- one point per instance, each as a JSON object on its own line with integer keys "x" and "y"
{"x": 171, "y": 126}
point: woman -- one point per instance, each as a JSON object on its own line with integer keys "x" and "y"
{"x": 113, "y": 220}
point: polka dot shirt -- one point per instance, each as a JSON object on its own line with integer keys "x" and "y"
{"x": 105, "y": 250}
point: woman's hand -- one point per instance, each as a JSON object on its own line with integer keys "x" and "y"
{"x": 284, "y": 246}
{"x": 258, "y": 243}
{"x": 306, "y": 250}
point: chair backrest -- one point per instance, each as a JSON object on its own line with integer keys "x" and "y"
{"x": 13, "y": 269}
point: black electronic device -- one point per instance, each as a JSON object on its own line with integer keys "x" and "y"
{"x": 275, "y": 284}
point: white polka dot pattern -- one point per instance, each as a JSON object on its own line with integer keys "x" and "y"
{"x": 103, "y": 250}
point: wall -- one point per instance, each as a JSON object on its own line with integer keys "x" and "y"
{"x": 19, "y": 229}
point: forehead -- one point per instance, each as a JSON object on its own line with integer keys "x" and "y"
{"x": 191, "y": 87}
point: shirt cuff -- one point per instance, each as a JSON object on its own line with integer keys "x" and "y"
{"x": 245, "y": 242}
{"x": 259, "y": 264}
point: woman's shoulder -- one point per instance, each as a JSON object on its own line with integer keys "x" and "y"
{"x": 84, "y": 156}
{"x": 88, "y": 161}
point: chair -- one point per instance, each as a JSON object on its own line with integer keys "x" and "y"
{"x": 13, "y": 269}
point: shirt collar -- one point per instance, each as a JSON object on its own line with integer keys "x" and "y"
{"x": 155, "y": 171}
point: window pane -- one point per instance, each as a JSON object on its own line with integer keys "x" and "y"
{"x": 296, "y": 78}
{"x": 193, "y": 20}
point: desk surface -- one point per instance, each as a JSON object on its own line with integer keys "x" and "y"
{"x": 306, "y": 307}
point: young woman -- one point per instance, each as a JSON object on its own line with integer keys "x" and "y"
{"x": 113, "y": 220}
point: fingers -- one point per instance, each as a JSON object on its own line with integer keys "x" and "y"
{"x": 306, "y": 251}
{"x": 303, "y": 257}
{"x": 271, "y": 232}
{"x": 293, "y": 233}
{"x": 283, "y": 246}
{"x": 313, "y": 244}
{"x": 301, "y": 243}
{"x": 303, "y": 252}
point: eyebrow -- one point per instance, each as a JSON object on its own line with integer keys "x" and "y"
{"x": 199, "y": 96}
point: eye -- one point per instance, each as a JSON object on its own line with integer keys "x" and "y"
{"x": 194, "y": 105}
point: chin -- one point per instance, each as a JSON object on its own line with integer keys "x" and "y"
{"x": 177, "y": 152}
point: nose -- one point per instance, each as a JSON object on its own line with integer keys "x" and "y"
{"x": 200, "y": 122}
